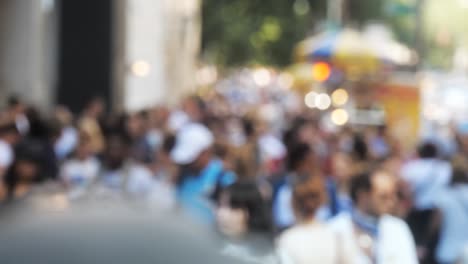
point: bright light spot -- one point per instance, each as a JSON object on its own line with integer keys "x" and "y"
{"x": 262, "y": 77}
{"x": 321, "y": 71}
{"x": 463, "y": 3}
{"x": 301, "y": 7}
{"x": 141, "y": 68}
{"x": 323, "y": 101}
{"x": 285, "y": 80}
{"x": 339, "y": 117}
{"x": 309, "y": 99}
{"x": 207, "y": 75}
{"x": 340, "y": 97}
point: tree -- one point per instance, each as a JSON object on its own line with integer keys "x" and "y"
{"x": 256, "y": 32}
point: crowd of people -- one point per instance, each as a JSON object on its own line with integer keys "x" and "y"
{"x": 278, "y": 190}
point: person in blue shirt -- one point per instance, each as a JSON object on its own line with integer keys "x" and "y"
{"x": 302, "y": 164}
{"x": 452, "y": 205}
{"x": 201, "y": 174}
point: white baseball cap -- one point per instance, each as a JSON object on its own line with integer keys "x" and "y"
{"x": 191, "y": 141}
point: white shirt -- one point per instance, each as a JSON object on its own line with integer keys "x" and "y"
{"x": 77, "y": 172}
{"x": 309, "y": 243}
{"x": 453, "y": 205}
{"x": 140, "y": 183}
{"x": 395, "y": 243}
{"x": 6, "y": 154}
{"x": 426, "y": 177}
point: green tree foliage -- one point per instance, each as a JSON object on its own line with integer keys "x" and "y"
{"x": 243, "y": 32}
{"x": 240, "y": 32}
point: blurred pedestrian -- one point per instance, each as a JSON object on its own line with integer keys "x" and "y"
{"x": 82, "y": 170}
{"x": 452, "y": 204}
{"x": 369, "y": 234}
{"x": 90, "y": 123}
{"x": 243, "y": 219}
{"x": 136, "y": 126}
{"x": 425, "y": 176}
{"x": 26, "y": 171}
{"x": 9, "y": 137}
{"x": 310, "y": 240}
{"x": 17, "y": 111}
{"x": 119, "y": 176}
{"x": 200, "y": 173}
{"x": 302, "y": 163}
{"x": 68, "y": 139}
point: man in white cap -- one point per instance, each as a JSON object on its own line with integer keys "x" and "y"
{"x": 201, "y": 174}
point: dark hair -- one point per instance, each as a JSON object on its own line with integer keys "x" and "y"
{"x": 30, "y": 151}
{"x": 54, "y": 128}
{"x": 360, "y": 183}
{"x": 248, "y": 127}
{"x": 428, "y": 150}
{"x": 199, "y": 102}
{"x": 13, "y": 101}
{"x": 459, "y": 176}
{"x": 246, "y": 195}
{"x": 297, "y": 154}
{"x": 308, "y": 195}
{"x": 121, "y": 136}
{"x": 290, "y": 137}
{"x": 169, "y": 143}
{"x": 360, "y": 150}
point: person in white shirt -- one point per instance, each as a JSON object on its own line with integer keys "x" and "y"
{"x": 9, "y": 136}
{"x": 122, "y": 178}
{"x": 425, "y": 177}
{"x": 452, "y": 205}
{"x": 309, "y": 241}
{"x": 370, "y": 234}
{"x": 82, "y": 170}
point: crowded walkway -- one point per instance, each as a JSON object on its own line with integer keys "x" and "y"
{"x": 278, "y": 188}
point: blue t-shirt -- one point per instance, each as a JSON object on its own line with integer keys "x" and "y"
{"x": 195, "y": 190}
{"x": 283, "y": 212}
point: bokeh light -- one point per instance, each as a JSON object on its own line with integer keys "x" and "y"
{"x": 339, "y": 117}
{"x": 323, "y": 101}
{"x": 262, "y": 77}
{"x": 340, "y": 97}
{"x": 321, "y": 71}
{"x": 141, "y": 68}
{"x": 309, "y": 99}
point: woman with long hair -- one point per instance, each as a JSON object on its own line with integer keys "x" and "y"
{"x": 309, "y": 240}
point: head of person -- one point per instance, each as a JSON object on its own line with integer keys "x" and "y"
{"x": 136, "y": 124}
{"x": 248, "y": 127}
{"x": 428, "y": 150}
{"x": 28, "y": 163}
{"x": 301, "y": 159}
{"x": 15, "y": 105}
{"x": 64, "y": 115}
{"x": 301, "y": 131}
{"x": 341, "y": 163}
{"x": 84, "y": 148}
{"x": 95, "y": 107}
{"x": 193, "y": 147}
{"x": 374, "y": 193}
{"x": 195, "y": 108}
{"x": 360, "y": 149}
{"x": 242, "y": 211}
{"x": 308, "y": 195}
{"x": 117, "y": 149}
